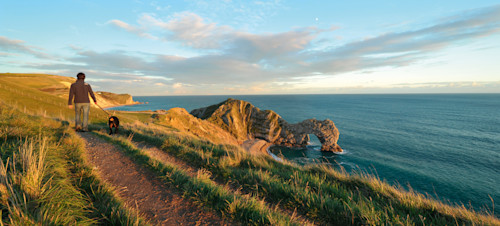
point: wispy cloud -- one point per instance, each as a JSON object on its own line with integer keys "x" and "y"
{"x": 3, "y": 54}
{"x": 190, "y": 29}
{"x": 294, "y": 49}
{"x": 132, "y": 29}
{"x": 404, "y": 48}
{"x": 19, "y": 46}
{"x": 240, "y": 60}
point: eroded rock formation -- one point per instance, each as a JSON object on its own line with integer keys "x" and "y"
{"x": 245, "y": 122}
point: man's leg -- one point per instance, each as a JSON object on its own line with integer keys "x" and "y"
{"x": 78, "y": 113}
{"x": 86, "y": 109}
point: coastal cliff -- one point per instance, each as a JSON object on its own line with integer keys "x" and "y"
{"x": 247, "y": 122}
{"x": 107, "y": 99}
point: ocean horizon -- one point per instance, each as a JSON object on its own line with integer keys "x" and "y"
{"x": 444, "y": 145}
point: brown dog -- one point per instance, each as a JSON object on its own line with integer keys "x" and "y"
{"x": 113, "y": 123}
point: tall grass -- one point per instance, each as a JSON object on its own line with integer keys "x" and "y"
{"x": 203, "y": 190}
{"x": 44, "y": 179}
{"x": 322, "y": 194}
{"x": 31, "y": 196}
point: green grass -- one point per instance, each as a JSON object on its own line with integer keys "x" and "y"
{"x": 44, "y": 179}
{"x": 36, "y": 186}
{"x": 202, "y": 190}
{"x": 321, "y": 194}
{"x": 33, "y": 192}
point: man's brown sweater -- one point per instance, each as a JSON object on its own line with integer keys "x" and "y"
{"x": 80, "y": 91}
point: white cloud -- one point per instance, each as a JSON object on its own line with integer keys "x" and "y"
{"x": 19, "y": 46}
{"x": 404, "y": 48}
{"x": 192, "y": 30}
{"x": 132, "y": 29}
{"x": 269, "y": 46}
{"x": 239, "y": 60}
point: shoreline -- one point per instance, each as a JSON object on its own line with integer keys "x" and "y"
{"x": 256, "y": 146}
{"x": 275, "y": 157}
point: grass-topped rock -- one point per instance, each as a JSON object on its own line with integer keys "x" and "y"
{"x": 245, "y": 121}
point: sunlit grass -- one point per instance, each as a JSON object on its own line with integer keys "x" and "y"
{"x": 34, "y": 189}
{"x": 203, "y": 190}
{"x": 44, "y": 179}
{"x": 318, "y": 192}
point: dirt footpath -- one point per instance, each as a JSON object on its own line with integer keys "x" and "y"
{"x": 142, "y": 190}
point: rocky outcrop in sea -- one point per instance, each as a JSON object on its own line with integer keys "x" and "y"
{"x": 246, "y": 122}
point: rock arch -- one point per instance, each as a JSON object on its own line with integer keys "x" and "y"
{"x": 246, "y": 122}
{"x": 297, "y": 134}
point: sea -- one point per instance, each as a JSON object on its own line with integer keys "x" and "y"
{"x": 446, "y": 146}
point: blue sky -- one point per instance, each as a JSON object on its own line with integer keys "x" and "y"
{"x": 257, "y": 47}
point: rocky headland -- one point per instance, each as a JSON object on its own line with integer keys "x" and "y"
{"x": 107, "y": 99}
{"x": 246, "y": 122}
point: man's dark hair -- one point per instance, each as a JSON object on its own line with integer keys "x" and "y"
{"x": 80, "y": 75}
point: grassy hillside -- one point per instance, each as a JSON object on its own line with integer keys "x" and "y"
{"x": 45, "y": 180}
{"x": 46, "y": 95}
{"x": 57, "y": 86}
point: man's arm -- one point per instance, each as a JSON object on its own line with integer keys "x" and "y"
{"x": 92, "y": 94}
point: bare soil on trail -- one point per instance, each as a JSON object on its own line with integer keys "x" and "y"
{"x": 255, "y": 147}
{"x": 141, "y": 189}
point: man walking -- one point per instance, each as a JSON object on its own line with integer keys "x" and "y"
{"x": 80, "y": 92}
